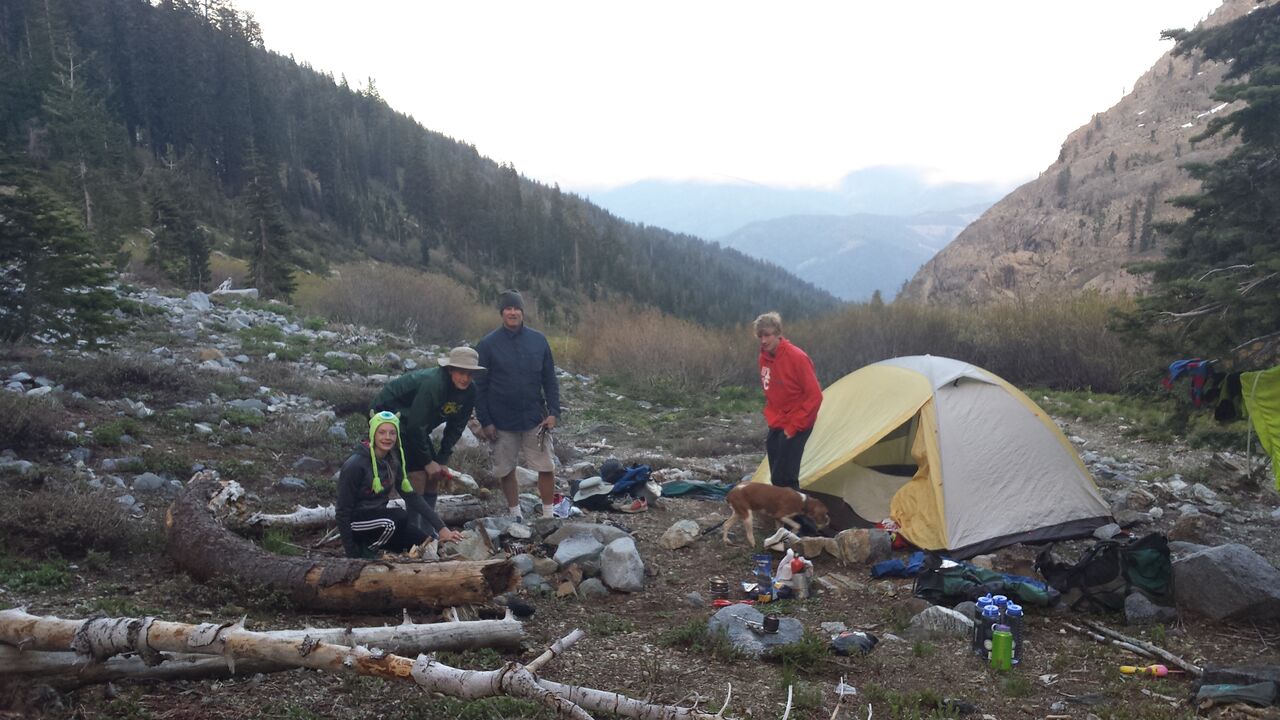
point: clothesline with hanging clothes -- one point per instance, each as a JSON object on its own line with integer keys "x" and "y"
{"x": 1204, "y": 378}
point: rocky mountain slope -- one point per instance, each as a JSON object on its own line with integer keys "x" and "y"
{"x": 1092, "y": 211}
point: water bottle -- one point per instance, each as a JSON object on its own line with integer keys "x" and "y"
{"x": 1013, "y": 618}
{"x": 982, "y": 602}
{"x": 1001, "y": 602}
{"x": 989, "y": 616}
{"x": 1001, "y": 648}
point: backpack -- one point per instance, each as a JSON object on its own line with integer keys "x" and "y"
{"x": 1106, "y": 573}
{"x": 959, "y": 581}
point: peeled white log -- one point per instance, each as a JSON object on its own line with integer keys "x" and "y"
{"x": 453, "y": 509}
{"x": 102, "y": 638}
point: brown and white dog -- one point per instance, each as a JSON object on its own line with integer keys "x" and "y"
{"x": 774, "y": 502}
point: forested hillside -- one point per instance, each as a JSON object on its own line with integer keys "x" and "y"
{"x": 168, "y": 124}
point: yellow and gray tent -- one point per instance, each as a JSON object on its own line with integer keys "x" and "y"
{"x": 960, "y": 459}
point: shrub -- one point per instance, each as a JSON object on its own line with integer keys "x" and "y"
{"x": 428, "y": 306}
{"x": 29, "y": 424}
{"x": 659, "y": 352}
{"x": 113, "y": 376}
{"x": 71, "y": 523}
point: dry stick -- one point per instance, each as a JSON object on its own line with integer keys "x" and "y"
{"x": 1148, "y": 647}
{"x": 787, "y": 712}
{"x": 1106, "y": 640}
{"x": 554, "y": 651}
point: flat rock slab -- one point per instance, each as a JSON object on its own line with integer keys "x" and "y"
{"x": 732, "y": 621}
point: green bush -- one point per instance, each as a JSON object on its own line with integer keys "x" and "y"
{"x": 29, "y": 425}
{"x": 109, "y": 433}
{"x": 71, "y": 523}
{"x": 114, "y": 375}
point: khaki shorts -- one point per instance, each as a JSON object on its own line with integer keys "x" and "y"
{"x": 510, "y": 446}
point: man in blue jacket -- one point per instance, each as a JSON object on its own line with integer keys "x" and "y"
{"x": 518, "y": 401}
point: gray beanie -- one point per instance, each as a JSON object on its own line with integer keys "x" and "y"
{"x": 510, "y": 298}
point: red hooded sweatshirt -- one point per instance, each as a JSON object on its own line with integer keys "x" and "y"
{"x": 792, "y": 395}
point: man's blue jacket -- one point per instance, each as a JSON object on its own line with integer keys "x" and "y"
{"x": 519, "y": 388}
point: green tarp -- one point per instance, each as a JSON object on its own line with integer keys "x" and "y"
{"x": 1261, "y": 391}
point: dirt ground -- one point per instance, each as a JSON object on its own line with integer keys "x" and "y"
{"x": 637, "y": 643}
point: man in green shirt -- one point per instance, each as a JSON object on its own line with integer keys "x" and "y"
{"x": 424, "y": 399}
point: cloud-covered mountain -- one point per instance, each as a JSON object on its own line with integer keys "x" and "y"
{"x": 852, "y": 256}
{"x": 713, "y": 210}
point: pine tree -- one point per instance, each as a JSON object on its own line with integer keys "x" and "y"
{"x": 52, "y": 280}
{"x": 180, "y": 247}
{"x": 271, "y": 254}
{"x": 1218, "y": 289}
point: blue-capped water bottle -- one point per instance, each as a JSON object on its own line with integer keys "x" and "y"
{"x": 1013, "y": 618}
{"x": 1000, "y": 601}
{"x": 987, "y": 618}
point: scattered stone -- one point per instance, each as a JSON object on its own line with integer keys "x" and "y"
{"x": 967, "y": 608}
{"x": 523, "y": 563}
{"x": 199, "y": 301}
{"x": 1108, "y": 531}
{"x": 519, "y": 531}
{"x": 578, "y": 548}
{"x": 23, "y": 468}
{"x": 293, "y": 483}
{"x": 339, "y": 431}
{"x": 1140, "y": 611}
{"x": 679, "y": 535}
{"x": 833, "y": 628}
{"x": 20, "y": 377}
{"x": 252, "y": 405}
{"x": 307, "y": 465}
{"x": 939, "y": 622}
{"x": 621, "y": 566}
{"x": 603, "y": 533}
{"x": 80, "y": 455}
{"x": 471, "y": 547}
{"x": 123, "y": 464}
{"x": 1202, "y": 493}
{"x": 545, "y": 566}
{"x": 591, "y": 588}
{"x": 534, "y": 581}
{"x": 695, "y": 599}
{"x": 147, "y": 482}
{"x": 39, "y": 391}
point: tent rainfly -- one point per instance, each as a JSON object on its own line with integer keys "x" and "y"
{"x": 961, "y": 460}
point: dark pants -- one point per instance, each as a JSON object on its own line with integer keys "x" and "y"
{"x": 784, "y": 456}
{"x": 385, "y": 529}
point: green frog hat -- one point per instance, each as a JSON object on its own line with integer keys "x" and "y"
{"x": 376, "y": 421}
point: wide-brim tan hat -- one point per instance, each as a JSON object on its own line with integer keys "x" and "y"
{"x": 463, "y": 358}
{"x": 592, "y": 486}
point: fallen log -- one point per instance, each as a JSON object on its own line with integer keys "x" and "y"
{"x": 148, "y": 637}
{"x": 1153, "y": 650}
{"x": 40, "y": 643}
{"x": 205, "y": 549}
{"x": 453, "y": 510}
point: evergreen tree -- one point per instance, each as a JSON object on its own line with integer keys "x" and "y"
{"x": 180, "y": 246}
{"x": 1218, "y": 288}
{"x": 52, "y": 280}
{"x": 271, "y": 255}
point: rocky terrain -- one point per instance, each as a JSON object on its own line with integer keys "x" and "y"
{"x": 1092, "y": 211}
{"x": 98, "y": 444}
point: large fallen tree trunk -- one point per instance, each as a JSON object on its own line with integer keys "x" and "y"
{"x": 207, "y": 550}
{"x": 453, "y": 509}
{"x": 36, "y": 642}
{"x": 106, "y": 637}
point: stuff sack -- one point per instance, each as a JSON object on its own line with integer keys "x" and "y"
{"x": 1105, "y": 574}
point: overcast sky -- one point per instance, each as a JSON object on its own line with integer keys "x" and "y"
{"x": 605, "y": 92}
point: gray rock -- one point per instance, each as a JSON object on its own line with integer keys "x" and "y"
{"x": 147, "y": 482}
{"x": 16, "y": 387}
{"x": 524, "y": 563}
{"x": 1179, "y": 547}
{"x": 253, "y": 405}
{"x": 577, "y": 549}
{"x": 732, "y": 621}
{"x": 1106, "y": 532}
{"x": 199, "y": 301}
{"x": 519, "y": 531}
{"x": 535, "y": 582}
{"x": 43, "y": 381}
{"x": 410, "y": 364}
{"x": 603, "y": 533}
{"x": 1227, "y": 582}
{"x": 695, "y": 599}
{"x": 621, "y": 567}
{"x": 1139, "y": 610}
{"x": 1202, "y": 493}
{"x": 592, "y": 588}
{"x": 80, "y": 455}
{"x": 127, "y": 501}
{"x": 202, "y": 429}
{"x": 307, "y": 465}
{"x": 967, "y": 608}
{"x": 833, "y": 628}
{"x": 293, "y": 483}
{"x": 545, "y": 566}
{"x": 39, "y": 391}
{"x": 939, "y": 622}
{"x": 682, "y": 533}
{"x": 240, "y": 359}
{"x": 20, "y": 377}
{"x": 472, "y": 547}
{"x": 24, "y": 468}
{"x": 339, "y": 431}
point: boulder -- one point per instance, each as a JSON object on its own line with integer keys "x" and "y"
{"x": 578, "y": 548}
{"x": 621, "y": 567}
{"x": 592, "y": 587}
{"x": 1228, "y": 582}
{"x": 863, "y": 545}
{"x": 733, "y": 621}
{"x": 1139, "y": 611}
{"x": 939, "y": 622}
{"x": 604, "y": 533}
{"x": 147, "y": 482}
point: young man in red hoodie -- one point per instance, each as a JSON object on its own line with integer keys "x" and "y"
{"x": 792, "y": 397}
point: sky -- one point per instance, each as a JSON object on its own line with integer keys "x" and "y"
{"x": 600, "y": 93}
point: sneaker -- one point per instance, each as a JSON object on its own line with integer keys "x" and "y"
{"x": 631, "y": 506}
{"x": 780, "y": 540}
